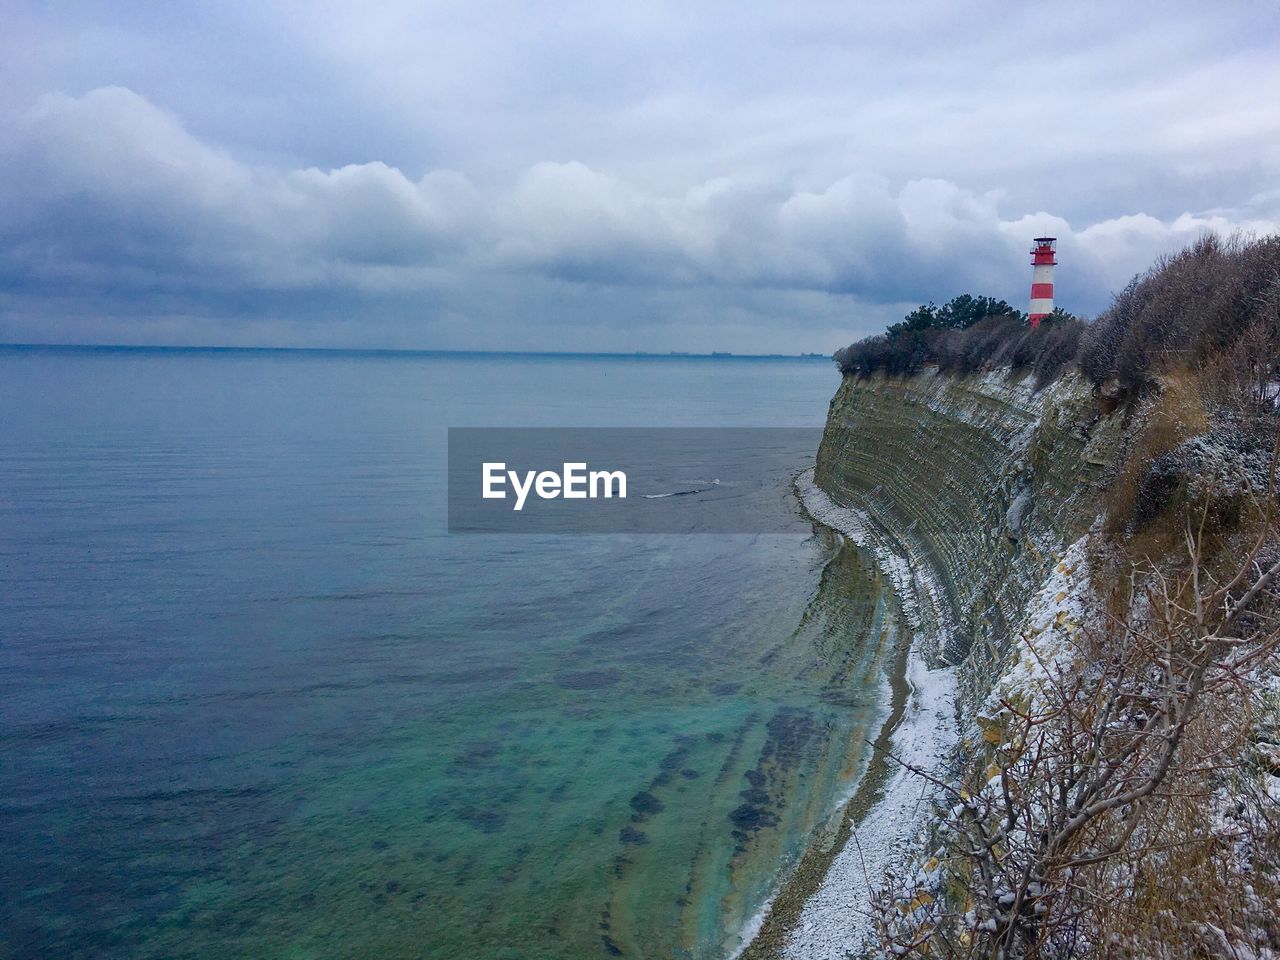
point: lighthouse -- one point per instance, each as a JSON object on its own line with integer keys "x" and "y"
{"x": 1042, "y": 262}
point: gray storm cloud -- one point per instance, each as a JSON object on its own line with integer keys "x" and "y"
{"x": 599, "y": 180}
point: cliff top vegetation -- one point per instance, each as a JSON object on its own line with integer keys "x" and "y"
{"x": 1212, "y": 306}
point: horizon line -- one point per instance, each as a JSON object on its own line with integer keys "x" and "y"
{"x": 227, "y": 348}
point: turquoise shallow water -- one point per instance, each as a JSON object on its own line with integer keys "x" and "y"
{"x": 256, "y": 702}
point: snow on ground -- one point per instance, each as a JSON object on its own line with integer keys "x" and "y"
{"x": 837, "y": 917}
{"x": 1054, "y": 618}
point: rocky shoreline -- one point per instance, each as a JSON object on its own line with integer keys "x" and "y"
{"x": 822, "y": 909}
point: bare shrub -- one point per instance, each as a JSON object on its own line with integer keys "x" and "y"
{"x": 1058, "y": 351}
{"x": 901, "y": 354}
{"x": 1106, "y": 786}
{"x": 990, "y": 343}
{"x": 1187, "y": 309}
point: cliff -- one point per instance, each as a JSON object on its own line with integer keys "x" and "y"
{"x": 978, "y": 482}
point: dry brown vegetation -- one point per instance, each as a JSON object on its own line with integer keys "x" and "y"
{"x": 1118, "y": 806}
{"x": 1212, "y": 304}
{"x": 992, "y": 342}
{"x": 1136, "y": 496}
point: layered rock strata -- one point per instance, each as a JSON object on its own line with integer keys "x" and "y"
{"x": 977, "y": 484}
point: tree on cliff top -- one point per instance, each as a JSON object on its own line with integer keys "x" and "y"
{"x": 960, "y": 313}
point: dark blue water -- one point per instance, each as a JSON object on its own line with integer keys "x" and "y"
{"x": 255, "y": 702}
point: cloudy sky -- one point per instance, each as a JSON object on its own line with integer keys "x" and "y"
{"x": 607, "y": 176}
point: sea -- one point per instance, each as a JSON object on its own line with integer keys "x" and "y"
{"x": 256, "y": 701}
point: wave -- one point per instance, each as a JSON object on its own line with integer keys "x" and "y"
{"x": 681, "y": 493}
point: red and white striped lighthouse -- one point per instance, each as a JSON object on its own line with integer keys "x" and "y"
{"x": 1043, "y": 261}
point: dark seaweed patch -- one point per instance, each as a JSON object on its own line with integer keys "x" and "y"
{"x": 475, "y": 753}
{"x": 645, "y": 804}
{"x": 672, "y": 761}
{"x": 840, "y": 697}
{"x": 630, "y": 834}
{"x": 486, "y": 819}
{"x": 749, "y": 818}
{"x": 790, "y": 734}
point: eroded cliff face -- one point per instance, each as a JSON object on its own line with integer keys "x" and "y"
{"x": 971, "y": 493}
{"x": 977, "y": 484}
